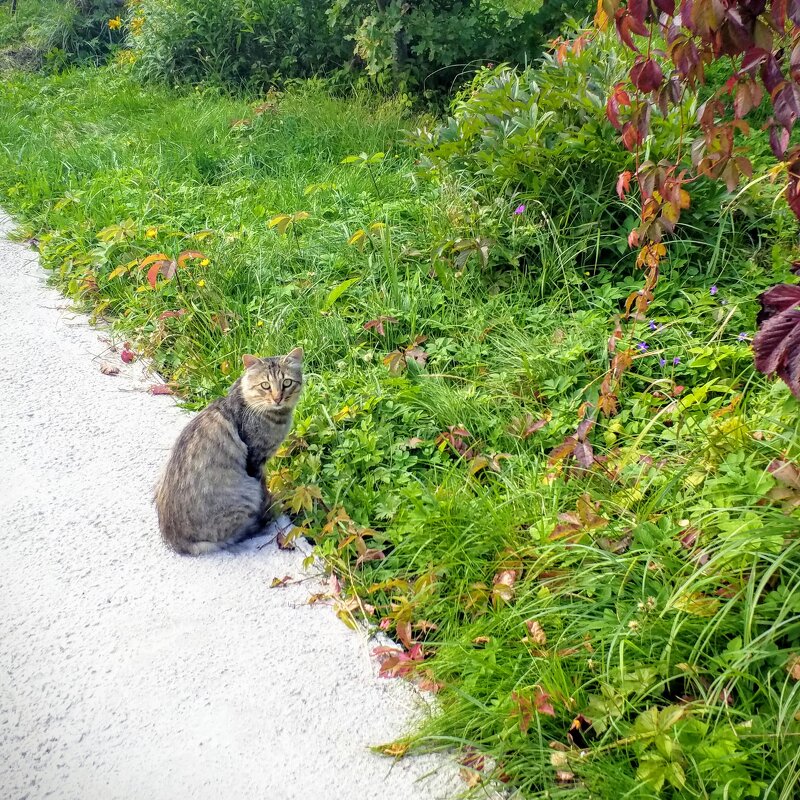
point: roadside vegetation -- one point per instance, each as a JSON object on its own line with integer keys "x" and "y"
{"x": 607, "y": 604}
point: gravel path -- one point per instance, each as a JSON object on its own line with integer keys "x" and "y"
{"x": 127, "y": 671}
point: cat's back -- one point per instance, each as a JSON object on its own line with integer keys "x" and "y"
{"x": 209, "y": 443}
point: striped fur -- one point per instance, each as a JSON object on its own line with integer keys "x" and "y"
{"x": 211, "y": 494}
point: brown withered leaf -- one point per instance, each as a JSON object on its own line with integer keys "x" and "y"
{"x": 616, "y": 546}
{"x": 277, "y": 582}
{"x": 395, "y": 361}
{"x": 478, "y": 641}
{"x": 616, "y": 335}
{"x": 109, "y": 369}
{"x": 793, "y": 666}
{"x": 787, "y": 492}
{"x": 503, "y": 586}
{"x": 536, "y": 633}
{"x": 377, "y": 324}
{"x": 470, "y": 776}
{"x": 395, "y": 749}
{"x": 161, "y": 388}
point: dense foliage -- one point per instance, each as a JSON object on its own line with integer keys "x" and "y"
{"x": 608, "y": 604}
{"x": 759, "y": 42}
{"x": 426, "y": 46}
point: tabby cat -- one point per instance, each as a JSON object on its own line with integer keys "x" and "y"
{"x": 212, "y": 494}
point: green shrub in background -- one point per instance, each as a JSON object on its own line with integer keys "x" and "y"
{"x": 423, "y": 46}
{"x": 81, "y": 30}
{"x": 430, "y": 45}
{"x": 234, "y": 41}
{"x": 59, "y": 32}
{"x": 537, "y": 139}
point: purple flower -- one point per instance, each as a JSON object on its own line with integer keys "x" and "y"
{"x": 713, "y": 290}
{"x": 652, "y": 325}
{"x": 662, "y": 362}
{"x": 520, "y": 209}
{"x": 742, "y": 336}
{"x": 643, "y": 346}
{"x": 676, "y": 361}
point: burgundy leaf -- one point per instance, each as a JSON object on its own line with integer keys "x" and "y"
{"x": 666, "y": 6}
{"x": 778, "y": 140}
{"x": 646, "y": 74}
{"x": 778, "y": 299}
{"x": 639, "y": 9}
{"x": 778, "y": 13}
{"x": 753, "y": 58}
{"x": 583, "y": 429}
{"x": 777, "y": 348}
{"x": 584, "y": 454}
{"x": 771, "y": 74}
{"x": 786, "y": 106}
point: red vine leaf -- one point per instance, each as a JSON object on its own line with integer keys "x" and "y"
{"x": 646, "y": 74}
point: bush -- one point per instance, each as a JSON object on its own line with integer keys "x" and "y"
{"x": 539, "y": 139}
{"x": 81, "y": 30}
{"x": 430, "y": 45}
{"x": 240, "y": 42}
{"x": 392, "y": 44}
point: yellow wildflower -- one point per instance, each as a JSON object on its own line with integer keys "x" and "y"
{"x": 151, "y": 233}
{"x": 136, "y": 25}
{"x": 114, "y": 24}
{"x": 260, "y": 323}
{"x": 205, "y": 262}
{"x": 201, "y": 283}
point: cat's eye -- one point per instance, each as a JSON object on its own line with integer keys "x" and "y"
{"x": 265, "y": 386}
{"x": 287, "y": 382}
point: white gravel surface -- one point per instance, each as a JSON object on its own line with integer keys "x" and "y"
{"x": 127, "y": 671}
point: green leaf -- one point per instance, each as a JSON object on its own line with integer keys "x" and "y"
{"x": 337, "y": 292}
{"x": 647, "y": 722}
{"x": 653, "y": 772}
{"x": 675, "y": 775}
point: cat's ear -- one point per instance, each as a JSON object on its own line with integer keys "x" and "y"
{"x": 296, "y": 355}
{"x": 249, "y": 361}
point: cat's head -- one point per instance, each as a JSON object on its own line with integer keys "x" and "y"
{"x": 270, "y": 383}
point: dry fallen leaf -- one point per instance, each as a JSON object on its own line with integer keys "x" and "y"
{"x": 276, "y": 582}
{"x": 470, "y": 776}
{"x": 793, "y": 666}
{"x": 396, "y": 749}
{"x": 109, "y": 369}
{"x": 536, "y": 633}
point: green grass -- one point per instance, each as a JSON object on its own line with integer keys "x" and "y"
{"x": 676, "y": 586}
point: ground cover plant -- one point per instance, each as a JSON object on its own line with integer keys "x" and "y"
{"x": 624, "y": 622}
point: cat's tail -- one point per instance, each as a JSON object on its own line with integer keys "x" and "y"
{"x": 200, "y": 548}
